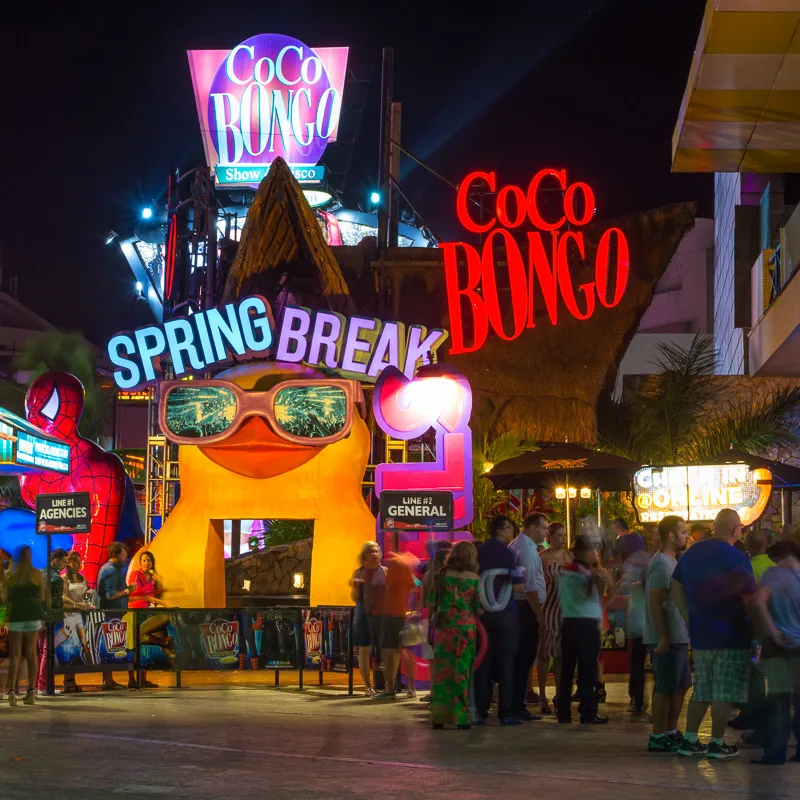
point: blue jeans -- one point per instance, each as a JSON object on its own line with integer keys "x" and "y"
{"x": 502, "y": 629}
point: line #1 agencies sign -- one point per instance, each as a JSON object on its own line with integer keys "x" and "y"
{"x": 63, "y": 513}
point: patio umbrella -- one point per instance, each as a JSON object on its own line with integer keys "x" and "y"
{"x": 565, "y": 465}
{"x": 784, "y": 476}
{"x": 554, "y": 465}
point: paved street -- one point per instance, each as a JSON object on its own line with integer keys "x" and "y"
{"x": 248, "y": 742}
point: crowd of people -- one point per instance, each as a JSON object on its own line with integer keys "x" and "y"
{"x": 715, "y": 611}
{"x": 23, "y": 594}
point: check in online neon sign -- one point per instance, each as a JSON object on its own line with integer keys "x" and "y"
{"x": 471, "y": 277}
{"x": 357, "y": 347}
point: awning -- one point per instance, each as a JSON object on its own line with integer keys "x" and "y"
{"x": 741, "y": 108}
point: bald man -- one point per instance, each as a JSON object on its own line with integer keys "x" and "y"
{"x": 712, "y": 585}
{"x": 757, "y": 543}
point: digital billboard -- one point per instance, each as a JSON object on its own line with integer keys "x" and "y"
{"x": 272, "y": 96}
{"x": 26, "y": 448}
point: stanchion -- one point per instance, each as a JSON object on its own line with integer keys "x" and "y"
{"x": 350, "y": 652}
{"x": 300, "y": 650}
{"x": 137, "y": 655}
{"x": 50, "y": 661}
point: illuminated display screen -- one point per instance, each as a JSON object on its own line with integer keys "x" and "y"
{"x": 23, "y": 446}
{"x": 700, "y": 493}
{"x": 200, "y": 411}
{"x": 314, "y": 412}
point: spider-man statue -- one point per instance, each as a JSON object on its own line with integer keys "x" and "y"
{"x": 55, "y": 403}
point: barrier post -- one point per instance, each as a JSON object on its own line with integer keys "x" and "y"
{"x": 50, "y": 661}
{"x": 349, "y": 652}
{"x": 137, "y": 642}
{"x": 300, "y": 650}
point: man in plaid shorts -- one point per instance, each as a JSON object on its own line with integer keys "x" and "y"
{"x": 713, "y": 585}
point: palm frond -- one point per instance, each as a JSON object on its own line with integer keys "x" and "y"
{"x": 759, "y": 425}
{"x": 665, "y": 413}
{"x": 615, "y": 429}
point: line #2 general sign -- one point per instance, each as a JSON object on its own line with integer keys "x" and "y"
{"x": 416, "y": 511}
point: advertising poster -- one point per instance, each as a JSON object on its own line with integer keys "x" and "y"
{"x": 312, "y": 634}
{"x": 334, "y": 637}
{"x": 93, "y": 638}
{"x": 280, "y": 638}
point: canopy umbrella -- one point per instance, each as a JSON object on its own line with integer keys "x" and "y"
{"x": 564, "y": 465}
{"x": 784, "y": 476}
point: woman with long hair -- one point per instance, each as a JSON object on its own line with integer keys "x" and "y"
{"x": 25, "y": 589}
{"x": 76, "y": 590}
{"x": 455, "y": 600}
{"x": 368, "y": 590}
{"x": 553, "y": 560}
{"x": 145, "y": 588}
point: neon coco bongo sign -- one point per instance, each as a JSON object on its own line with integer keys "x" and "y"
{"x": 471, "y": 275}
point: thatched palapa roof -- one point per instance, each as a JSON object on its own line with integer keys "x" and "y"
{"x": 547, "y": 380}
{"x": 282, "y": 236}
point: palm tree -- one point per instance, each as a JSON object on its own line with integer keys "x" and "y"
{"x": 680, "y": 416}
{"x": 489, "y": 448}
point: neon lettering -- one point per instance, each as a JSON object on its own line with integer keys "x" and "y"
{"x": 473, "y": 295}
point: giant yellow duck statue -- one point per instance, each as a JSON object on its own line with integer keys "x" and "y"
{"x": 263, "y": 441}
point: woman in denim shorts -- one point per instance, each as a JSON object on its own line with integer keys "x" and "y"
{"x": 25, "y": 589}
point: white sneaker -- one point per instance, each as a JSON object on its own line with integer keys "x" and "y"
{"x": 412, "y": 692}
{"x": 43, "y": 692}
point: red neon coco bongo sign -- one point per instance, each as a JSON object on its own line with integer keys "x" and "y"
{"x": 546, "y": 275}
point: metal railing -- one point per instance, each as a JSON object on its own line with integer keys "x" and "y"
{"x": 262, "y": 639}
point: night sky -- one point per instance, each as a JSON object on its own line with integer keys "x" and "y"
{"x": 96, "y": 109}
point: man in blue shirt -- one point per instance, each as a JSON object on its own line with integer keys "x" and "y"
{"x": 713, "y": 585}
{"x": 776, "y": 611}
{"x": 112, "y": 593}
{"x": 530, "y": 598}
{"x": 498, "y": 576}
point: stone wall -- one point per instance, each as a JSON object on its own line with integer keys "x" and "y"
{"x": 270, "y": 572}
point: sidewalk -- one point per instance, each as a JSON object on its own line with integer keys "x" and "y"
{"x": 243, "y": 742}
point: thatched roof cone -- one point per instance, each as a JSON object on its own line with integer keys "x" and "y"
{"x": 550, "y": 377}
{"x": 283, "y": 246}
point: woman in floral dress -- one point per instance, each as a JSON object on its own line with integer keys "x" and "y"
{"x": 454, "y": 599}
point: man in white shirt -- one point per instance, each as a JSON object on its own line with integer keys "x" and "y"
{"x": 529, "y": 605}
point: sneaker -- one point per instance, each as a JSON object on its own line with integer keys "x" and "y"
{"x": 29, "y": 699}
{"x": 687, "y": 748}
{"x": 43, "y": 692}
{"x": 411, "y": 693}
{"x": 385, "y": 696}
{"x": 526, "y": 716}
{"x": 722, "y": 750}
{"x": 597, "y": 719}
{"x": 662, "y": 744}
{"x": 504, "y": 721}
{"x": 12, "y": 699}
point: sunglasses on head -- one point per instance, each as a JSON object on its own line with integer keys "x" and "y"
{"x": 310, "y": 412}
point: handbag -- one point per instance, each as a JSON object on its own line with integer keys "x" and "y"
{"x": 411, "y": 634}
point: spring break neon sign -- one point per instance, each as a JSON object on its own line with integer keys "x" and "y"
{"x": 546, "y": 276}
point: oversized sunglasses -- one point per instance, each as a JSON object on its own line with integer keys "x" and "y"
{"x": 310, "y": 412}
